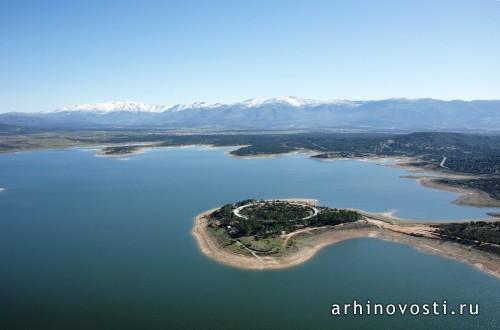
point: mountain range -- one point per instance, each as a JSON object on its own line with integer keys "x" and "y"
{"x": 276, "y": 113}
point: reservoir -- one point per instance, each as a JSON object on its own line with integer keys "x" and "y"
{"x": 95, "y": 242}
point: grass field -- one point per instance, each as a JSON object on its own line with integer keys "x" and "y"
{"x": 269, "y": 245}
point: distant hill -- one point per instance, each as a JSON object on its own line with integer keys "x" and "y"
{"x": 277, "y": 113}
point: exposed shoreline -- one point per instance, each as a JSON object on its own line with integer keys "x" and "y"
{"x": 378, "y": 226}
{"x": 469, "y": 197}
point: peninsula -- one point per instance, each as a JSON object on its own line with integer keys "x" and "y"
{"x": 273, "y": 234}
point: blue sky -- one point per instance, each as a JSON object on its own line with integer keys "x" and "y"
{"x": 56, "y": 53}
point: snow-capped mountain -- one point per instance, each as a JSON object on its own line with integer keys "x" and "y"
{"x": 291, "y": 101}
{"x": 194, "y": 105}
{"x": 106, "y": 107}
{"x": 276, "y": 113}
{"x": 133, "y": 106}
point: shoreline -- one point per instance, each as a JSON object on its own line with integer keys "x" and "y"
{"x": 467, "y": 196}
{"x": 414, "y": 234}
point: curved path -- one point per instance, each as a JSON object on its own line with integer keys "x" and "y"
{"x": 237, "y": 210}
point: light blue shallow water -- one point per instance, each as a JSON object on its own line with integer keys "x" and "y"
{"x": 89, "y": 242}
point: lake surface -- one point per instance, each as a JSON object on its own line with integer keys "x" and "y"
{"x": 90, "y": 242}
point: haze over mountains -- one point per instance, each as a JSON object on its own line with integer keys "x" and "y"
{"x": 276, "y": 113}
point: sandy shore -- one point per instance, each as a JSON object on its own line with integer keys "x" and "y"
{"x": 308, "y": 242}
{"x": 469, "y": 197}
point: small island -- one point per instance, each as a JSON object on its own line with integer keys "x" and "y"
{"x": 273, "y": 234}
{"x": 121, "y": 151}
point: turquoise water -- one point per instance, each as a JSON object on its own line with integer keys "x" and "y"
{"x": 89, "y": 242}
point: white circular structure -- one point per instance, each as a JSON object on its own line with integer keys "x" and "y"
{"x": 237, "y": 210}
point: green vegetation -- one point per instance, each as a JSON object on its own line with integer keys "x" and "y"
{"x": 258, "y": 227}
{"x": 332, "y": 217}
{"x": 226, "y": 241}
{"x": 479, "y": 234}
{"x": 276, "y": 212}
{"x": 226, "y": 211}
{"x": 269, "y": 245}
{"x": 268, "y": 219}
